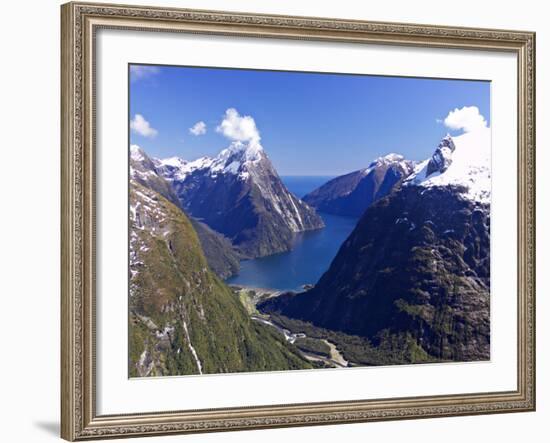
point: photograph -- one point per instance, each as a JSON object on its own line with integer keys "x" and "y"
{"x": 288, "y": 220}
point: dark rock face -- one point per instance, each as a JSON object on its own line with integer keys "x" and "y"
{"x": 249, "y": 204}
{"x": 415, "y": 269}
{"x": 352, "y": 193}
{"x": 442, "y": 157}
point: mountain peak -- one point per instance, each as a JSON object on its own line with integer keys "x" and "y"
{"x": 136, "y": 153}
{"x": 176, "y": 162}
{"x": 442, "y": 157}
{"x": 239, "y": 194}
{"x": 391, "y": 157}
{"x": 387, "y": 159}
{"x": 251, "y": 151}
{"x": 350, "y": 194}
{"x": 237, "y": 159}
{"x": 463, "y": 161}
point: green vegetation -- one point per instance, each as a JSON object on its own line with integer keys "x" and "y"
{"x": 179, "y": 306}
{"x": 313, "y": 346}
{"x": 359, "y": 351}
{"x": 246, "y": 296}
{"x": 219, "y": 252}
{"x": 413, "y": 280}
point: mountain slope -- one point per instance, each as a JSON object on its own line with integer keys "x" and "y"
{"x": 352, "y": 193}
{"x": 183, "y": 319}
{"x": 239, "y": 194}
{"x": 221, "y": 256}
{"x": 415, "y": 272}
{"x": 143, "y": 171}
{"x": 218, "y": 250}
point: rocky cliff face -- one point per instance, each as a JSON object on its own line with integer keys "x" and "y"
{"x": 352, "y": 193}
{"x": 415, "y": 272}
{"x": 239, "y": 194}
{"x": 183, "y": 319}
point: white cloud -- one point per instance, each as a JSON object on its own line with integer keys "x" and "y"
{"x": 138, "y": 72}
{"x": 468, "y": 119}
{"x": 198, "y": 128}
{"x": 239, "y": 128}
{"x": 142, "y": 127}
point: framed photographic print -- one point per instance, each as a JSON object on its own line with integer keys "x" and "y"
{"x": 281, "y": 221}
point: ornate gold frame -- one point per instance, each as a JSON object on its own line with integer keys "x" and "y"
{"x": 79, "y": 22}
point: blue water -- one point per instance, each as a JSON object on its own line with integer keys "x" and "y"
{"x": 311, "y": 255}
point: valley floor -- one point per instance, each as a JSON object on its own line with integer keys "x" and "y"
{"x": 317, "y": 348}
{"x": 329, "y": 348}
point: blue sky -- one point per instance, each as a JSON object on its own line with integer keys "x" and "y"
{"x": 309, "y": 123}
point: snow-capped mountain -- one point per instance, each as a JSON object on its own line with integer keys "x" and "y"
{"x": 171, "y": 166}
{"x": 462, "y": 162}
{"x": 238, "y": 159}
{"x": 352, "y": 193}
{"x": 414, "y": 275}
{"x": 240, "y": 194}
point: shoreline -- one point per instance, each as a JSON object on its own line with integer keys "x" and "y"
{"x": 256, "y": 289}
{"x": 272, "y": 292}
{"x": 336, "y": 358}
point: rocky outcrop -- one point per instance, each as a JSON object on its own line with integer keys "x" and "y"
{"x": 442, "y": 157}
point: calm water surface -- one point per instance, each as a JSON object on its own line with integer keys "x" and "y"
{"x": 312, "y": 253}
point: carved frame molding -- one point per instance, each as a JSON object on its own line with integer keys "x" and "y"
{"x": 79, "y": 24}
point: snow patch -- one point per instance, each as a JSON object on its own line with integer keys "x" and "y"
{"x": 174, "y": 162}
{"x": 136, "y": 153}
{"x": 468, "y": 167}
{"x": 235, "y": 159}
{"x": 388, "y": 160}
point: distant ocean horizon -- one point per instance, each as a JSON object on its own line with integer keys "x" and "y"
{"x": 300, "y": 185}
